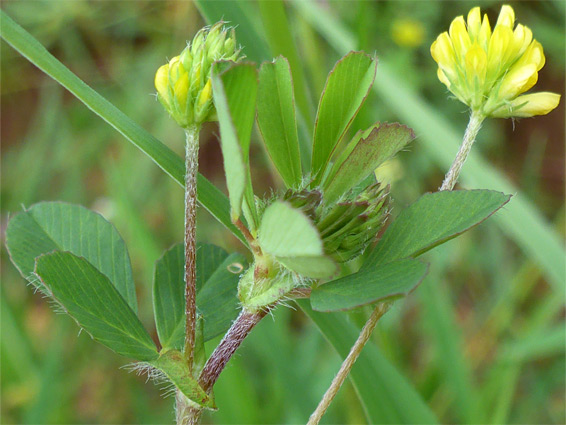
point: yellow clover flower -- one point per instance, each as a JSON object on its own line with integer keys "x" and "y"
{"x": 488, "y": 71}
{"x": 183, "y": 85}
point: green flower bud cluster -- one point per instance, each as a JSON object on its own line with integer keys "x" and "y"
{"x": 347, "y": 227}
{"x": 183, "y": 85}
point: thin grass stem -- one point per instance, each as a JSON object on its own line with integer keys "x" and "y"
{"x": 348, "y": 362}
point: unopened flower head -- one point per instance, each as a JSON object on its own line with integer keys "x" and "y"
{"x": 488, "y": 71}
{"x": 183, "y": 85}
{"x": 348, "y": 227}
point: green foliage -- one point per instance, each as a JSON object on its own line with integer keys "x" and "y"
{"x": 432, "y": 220}
{"x": 89, "y": 297}
{"x": 364, "y": 153}
{"x": 217, "y": 281}
{"x": 289, "y": 235}
{"x": 346, "y": 89}
{"x": 235, "y": 88}
{"x": 276, "y": 119}
{"x": 391, "y": 281}
{"x": 512, "y": 304}
{"x": 51, "y": 226}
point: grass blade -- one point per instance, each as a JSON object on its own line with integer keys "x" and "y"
{"x": 386, "y": 395}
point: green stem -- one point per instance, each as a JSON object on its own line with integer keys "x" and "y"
{"x": 191, "y": 165}
{"x": 474, "y": 125}
{"x": 348, "y": 362}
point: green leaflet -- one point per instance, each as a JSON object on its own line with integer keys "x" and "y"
{"x": 217, "y": 302}
{"x": 279, "y": 35}
{"x": 432, "y": 220}
{"x": 234, "y": 89}
{"x": 390, "y": 281}
{"x": 288, "y": 234}
{"x": 96, "y": 305}
{"x": 368, "y": 150}
{"x": 50, "y": 226}
{"x": 276, "y": 119}
{"x": 217, "y": 299}
{"x": 346, "y": 89}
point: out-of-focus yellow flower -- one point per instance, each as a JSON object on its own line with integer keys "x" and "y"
{"x": 407, "y": 32}
{"x": 183, "y": 85}
{"x": 488, "y": 71}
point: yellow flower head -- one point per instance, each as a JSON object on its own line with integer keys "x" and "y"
{"x": 408, "y": 32}
{"x": 183, "y": 84}
{"x": 488, "y": 71}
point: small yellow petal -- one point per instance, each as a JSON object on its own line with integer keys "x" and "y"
{"x": 181, "y": 89}
{"x": 460, "y": 37}
{"x": 530, "y": 82}
{"x": 485, "y": 33}
{"x": 498, "y": 45}
{"x": 529, "y": 105}
{"x": 506, "y": 17}
{"x": 476, "y": 68}
{"x": 476, "y": 61}
{"x": 162, "y": 81}
{"x": 474, "y": 23}
{"x": 442, "y": 51}
{"x": 515, "y": 80}
{"x": 205, "y": 95}
{"x": 534, "y": 54}
{"x": 174, "y": 69}
{"x": 442, "y": 78}
{"x": 522, "y": 37}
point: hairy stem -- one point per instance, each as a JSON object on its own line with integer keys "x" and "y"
{"x": 185, "y": 412}
{"x": 349, "y": 361}
{"x": 191, "y": 164}
{"x": 472, "y": 130}
{"x": 240, "y": 329}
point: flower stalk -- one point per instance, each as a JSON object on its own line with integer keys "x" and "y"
{"x": 474, "y": 125}
{"x": 191, "y": 165}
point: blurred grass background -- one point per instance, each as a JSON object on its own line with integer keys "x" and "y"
{"x": 485, "y": 331}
